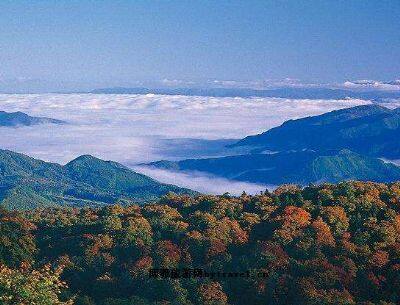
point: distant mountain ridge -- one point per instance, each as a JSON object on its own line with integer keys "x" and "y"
{"x": 302, "y": 167}
{"x": 369, "y": 129}
{"x": 27, "y": 183}
{"x": 293, "y": 93}
{"x": 15, "y": 119}
{"x": 339, "y": 145}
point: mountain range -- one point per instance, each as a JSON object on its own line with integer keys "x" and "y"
{"x": 15, "y": 119}
{"x": 339, "y": 145}
{"x": 369, "y": 129}
{"x": 27, "y": 183}
{"x": 303, "y": 167}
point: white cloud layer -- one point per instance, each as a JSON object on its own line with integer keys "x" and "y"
{"x": 133, "y": 128}
{"x": 203, "y": 183}
{"x": 373, "y": 84}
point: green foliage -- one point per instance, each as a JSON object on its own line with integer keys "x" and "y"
{"x": 17, "y": 244}
{"x": 26, "y": 286}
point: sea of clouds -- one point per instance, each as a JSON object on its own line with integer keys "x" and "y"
{"x": 133, "y": 129}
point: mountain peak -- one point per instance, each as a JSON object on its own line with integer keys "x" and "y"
{"x": 85, "y": 180}
{"x": 368, "y": 129}
{"x": 364, "y": 109}
{"x": 93, "y": 162}
{"x": 346, "y": 114}
{"x": 85, "y": 158}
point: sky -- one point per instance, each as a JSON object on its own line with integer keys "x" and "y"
{"x": 110, "y": 43}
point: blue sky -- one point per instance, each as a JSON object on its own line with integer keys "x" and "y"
{"x": 111, "y": 42}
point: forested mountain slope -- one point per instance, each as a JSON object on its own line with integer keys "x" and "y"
{"x": 302, "y": 167}
{"x": 370, "y": 129}
{"x": 28, "y": 183}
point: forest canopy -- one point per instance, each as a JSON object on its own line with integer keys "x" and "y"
{"x": 327, "y": 244}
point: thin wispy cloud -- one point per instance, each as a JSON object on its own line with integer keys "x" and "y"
{"x": 202, "y": 182}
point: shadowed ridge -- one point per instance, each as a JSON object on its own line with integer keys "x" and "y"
{"x": 368, "y": 129}
{"x": 15, "y": 119}
{"x": 302, "y": 167}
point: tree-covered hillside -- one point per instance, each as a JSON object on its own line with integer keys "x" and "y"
{"x": 27, "y": 183}
{"x": 370, "y": 129}
{"x": 301, "y": 167}
{"x": 327, "y": 244}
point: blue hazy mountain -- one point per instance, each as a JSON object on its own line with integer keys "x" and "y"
{"x": 301, "y": 167}
{"x": 370, "y": 129}
{"x": 86, "y": 181}
{"x": 339, "y": 145}
{"x": 292, "y": 93}
{"x": 15, "y": 119}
